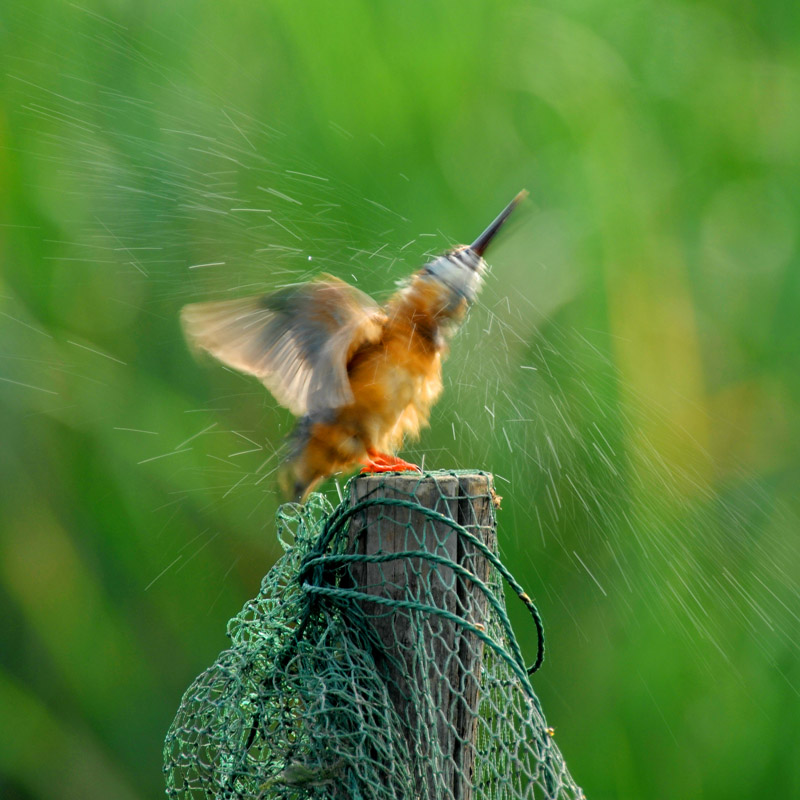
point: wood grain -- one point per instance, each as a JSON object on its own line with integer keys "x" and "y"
{"x": 419, "y": 651}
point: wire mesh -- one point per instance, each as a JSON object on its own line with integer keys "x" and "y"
{"x": 377, "y": 662}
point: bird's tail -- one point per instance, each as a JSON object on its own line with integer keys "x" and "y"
{"x": 296, "y": 476}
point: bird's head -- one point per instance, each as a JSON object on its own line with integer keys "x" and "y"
{"x": 461, "y": 269}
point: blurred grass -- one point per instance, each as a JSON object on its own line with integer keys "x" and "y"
{"x": 648, "y": 457}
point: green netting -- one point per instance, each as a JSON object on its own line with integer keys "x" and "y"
{"x": 376, "y": 662}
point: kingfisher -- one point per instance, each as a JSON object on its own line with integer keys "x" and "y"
{"x": 360, "y": 377}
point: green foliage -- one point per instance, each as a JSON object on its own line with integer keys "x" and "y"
{"x": 630, "y": 374}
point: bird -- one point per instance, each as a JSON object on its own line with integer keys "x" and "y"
{"x": 360, "y": 377}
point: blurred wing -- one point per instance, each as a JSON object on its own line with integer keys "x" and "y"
{"x": 297, "y": 341}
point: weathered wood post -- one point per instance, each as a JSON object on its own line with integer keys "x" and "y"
{"x": 424, "y": 653}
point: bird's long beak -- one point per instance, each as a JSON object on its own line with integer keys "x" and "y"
{"x": 482, "y": 242}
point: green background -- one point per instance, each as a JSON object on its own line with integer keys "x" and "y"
{"x": 631, "y": 374}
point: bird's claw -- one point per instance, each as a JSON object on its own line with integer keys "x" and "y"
{"x": 381, "y": 462}
{"x": 403, "y": 467}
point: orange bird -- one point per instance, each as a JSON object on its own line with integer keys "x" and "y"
{"x": 359, "y": 377}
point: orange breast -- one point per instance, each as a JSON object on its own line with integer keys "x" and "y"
{"x": 396, "y": 381}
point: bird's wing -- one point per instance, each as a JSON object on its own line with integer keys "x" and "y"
{"x": 297, "y": 341}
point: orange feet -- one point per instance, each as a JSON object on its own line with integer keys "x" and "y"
{"x": 381, "y": 462}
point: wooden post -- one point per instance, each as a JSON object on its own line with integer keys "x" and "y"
{"x": 421, "y": 652}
